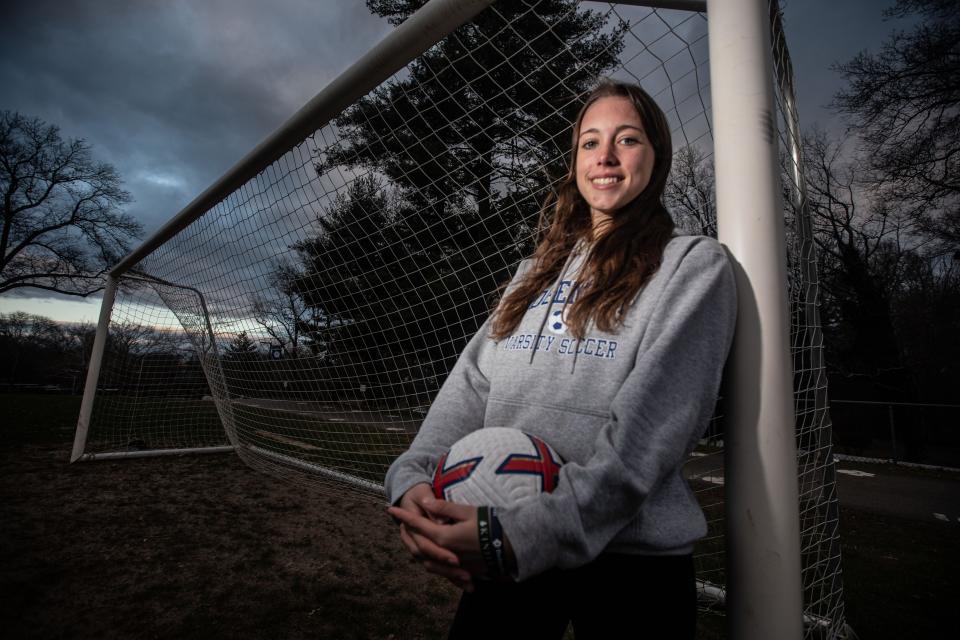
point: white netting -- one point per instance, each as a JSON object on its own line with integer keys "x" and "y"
{"x": 325, "y": 300}
{"x": 154, "y": 394}
{"x": 819, "y": 504}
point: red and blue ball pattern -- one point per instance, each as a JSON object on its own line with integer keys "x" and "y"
{"x": 497, "y": 467}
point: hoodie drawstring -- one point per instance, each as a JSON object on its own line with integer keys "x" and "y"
{"x": 546, "y": 316}
{"x": 576, "y": 352}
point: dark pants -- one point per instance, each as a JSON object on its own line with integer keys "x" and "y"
{"x": 615, "y": 596}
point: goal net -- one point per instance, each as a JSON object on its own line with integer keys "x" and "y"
{"x": 305, "y": 314}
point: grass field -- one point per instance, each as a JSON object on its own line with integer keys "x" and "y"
{"x": 335, "y": 437}
{"x": 204, "y": 546}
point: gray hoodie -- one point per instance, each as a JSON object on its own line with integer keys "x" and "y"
{"x": 623, "y": 409}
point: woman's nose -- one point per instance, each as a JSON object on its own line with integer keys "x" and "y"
{"x": 606, "y": 156}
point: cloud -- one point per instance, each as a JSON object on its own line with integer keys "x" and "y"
{"x": 174, "y": 93}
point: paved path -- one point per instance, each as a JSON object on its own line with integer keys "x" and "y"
{"x": 893, "y": 491}
{"x": 878, "y": 488}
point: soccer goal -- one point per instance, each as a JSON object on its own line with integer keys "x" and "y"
{"x": 305, "y": 309}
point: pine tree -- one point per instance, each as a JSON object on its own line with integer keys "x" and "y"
{"x": 242, "y": 347}
{"x": 491, "y": 103}
{"x": 467, "y": 145}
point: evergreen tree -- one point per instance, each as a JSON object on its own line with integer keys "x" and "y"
{"x": 241, "y": 347}
{"x": 489, "y": 105}
{"x": 466, "y": 146}
{"x": 377, "y": 292}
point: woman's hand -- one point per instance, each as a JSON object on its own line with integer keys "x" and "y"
{"x": 435, "y": 558}
{"x": 449, "y": 527}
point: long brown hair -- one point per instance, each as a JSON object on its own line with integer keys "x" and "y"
{"x": 623, "y": 258}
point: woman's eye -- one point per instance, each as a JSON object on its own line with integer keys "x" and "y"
{"x": 590, "y": 144}
{"x": 629, "y": 141}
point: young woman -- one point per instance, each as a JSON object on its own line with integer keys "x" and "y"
{"x": 609, "y": 345}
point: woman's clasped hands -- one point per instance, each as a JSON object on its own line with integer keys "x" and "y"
{"x": 441, "y": 535}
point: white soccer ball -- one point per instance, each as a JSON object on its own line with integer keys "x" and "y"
{"x": 496, "y": 467}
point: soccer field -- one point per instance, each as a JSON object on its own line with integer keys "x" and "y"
{"x": 204, "y": 546}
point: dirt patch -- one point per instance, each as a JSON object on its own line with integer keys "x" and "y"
{"x": 199, "y": 546}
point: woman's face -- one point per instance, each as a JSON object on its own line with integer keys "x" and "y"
{"x": 614, "y": 157}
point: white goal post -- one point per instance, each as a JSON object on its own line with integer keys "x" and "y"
{"x": 304, "y": 309}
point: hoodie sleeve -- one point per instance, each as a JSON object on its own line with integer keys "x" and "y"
{"x": 457, "y": 410}
{"x": 655, "y": 419}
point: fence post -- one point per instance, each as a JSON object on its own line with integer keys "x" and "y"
{"x": 893, "y": 434}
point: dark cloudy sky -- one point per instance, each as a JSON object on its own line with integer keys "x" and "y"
{"x": 174, "y": 92}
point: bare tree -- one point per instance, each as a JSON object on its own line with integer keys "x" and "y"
{"x": 131, "y": 339}
{"x": 905, "y": 105}
{"x": 80, "y": 336}
{"x": 282, "y": 312}
{"x": 62, "y": 227}
{"x": 38, "y": 350}
{"x": 864, "y": 246}
{"x": 861, "y": 233}
{"x": 690, "y": 192}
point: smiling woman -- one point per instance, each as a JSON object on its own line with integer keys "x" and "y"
{"x": 642, "y": 321}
